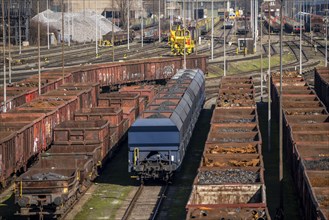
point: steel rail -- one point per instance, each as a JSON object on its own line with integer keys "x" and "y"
{"x": 133, "y": 202}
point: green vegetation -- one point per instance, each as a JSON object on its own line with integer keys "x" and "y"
{"x": 105, "y": 202}
{"x": 112, "y": 188}
{"x": 249, "y": 65}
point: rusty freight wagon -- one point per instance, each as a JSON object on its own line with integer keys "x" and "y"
{"x": 230, "y": 180}
{"x": 306, "y": 138}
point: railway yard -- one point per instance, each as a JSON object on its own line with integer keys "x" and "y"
{"x": 65, "y": 153}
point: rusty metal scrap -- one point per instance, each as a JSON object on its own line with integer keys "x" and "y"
{"x": 244, "y": 163}
{"x": 249, "y": 149}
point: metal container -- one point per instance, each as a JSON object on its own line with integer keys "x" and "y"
{"x": 9, "y": 155}
{"x": 32, "y": 128}
{"x": 208, "y": 213}
{"x": 113, "y": 115}
{"x": 234, "y": 115}
{"x": 53, "y": 181}
{"x": 88, "y": 151}
{"x": 137, "y": 70}
{"x": 231, "y": 160}
{"x": 117, "y": 99}
{"x": 307, "y": 119}
{"x": 240, "y": 137}
{"x": 56, "y": 110}
{"x": 130, "y": 114}
{"x": 232, "y": 148}
{"x": 83, "y": 132}
{"x": 95, "y": 90}
{"x": 227, "y": 196}
{"x": 143, "y": 90}
{"x": 84, "y": 95}
{"x": 46, "y": 84}
{"x": 17, "y": 96}
{"x": 234, "y": 127}
{"x": 321, "y": 84}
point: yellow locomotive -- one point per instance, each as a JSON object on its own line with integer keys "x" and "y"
{"x": 176, "y": 41}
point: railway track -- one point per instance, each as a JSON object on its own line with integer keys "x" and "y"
{"x": 72, "y": 59}
{"x": 146, "y": 202}
{"x": 295, "y": 50}
{"x": 321, "y": 48}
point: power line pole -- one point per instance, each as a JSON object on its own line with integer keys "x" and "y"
{"x": 39, "y": 61}
{"x": 142, "y": 24}
{"x": 261, "y": 55}
{"x": 68, "y": 22}
{"x": 212, "y": 29}
{"x": 128, "y": 23}
{"x": 62, "y": 8}
{"x": 19, "y": 28}
{"x": 112, "y": 30}
{"x": 269, "y": 79}
{"x": 9, "y": 41}
{"x": 159, "y": 24}
{"x": 326, "y": 37}
{"x": 4, "y": 58}
{"x": 300, "y": 40}
{"x": 224, "y": 44}
{"x": 280, "y": 116}
{"x": 196, "y": 27}
{"x": 184, "y": 27}
{"x": 96, "y": 40}
{"x": 48, "y": 24}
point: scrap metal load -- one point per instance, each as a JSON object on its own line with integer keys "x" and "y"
{"x": 157, "y": 141}
{"x": 34, "y": 122}
{"x": 305, "y": 138}
{"x": 230, "y": 179}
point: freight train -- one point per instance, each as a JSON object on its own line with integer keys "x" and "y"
{"x": 120, "y": 37}
{"x": 147, "y": 23}
{"x": 230, "y": 180}
{"x": 158, "y": 140}
{"x": 26, "y": 129}
{"x": 79, "y": 148}
{"x": 151, "y": 35}
{"x": 305, "y": 138}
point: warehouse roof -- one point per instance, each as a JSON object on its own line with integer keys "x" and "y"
{"x": 81, "y": 24}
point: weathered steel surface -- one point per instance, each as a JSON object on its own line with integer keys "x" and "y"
{"x": 306, "y": 138}
{"x": 321, "y": 84}
{"x": 114, "y": 115}
{"x": 83, "y": 132}
{"x": 104, "y": 74}
{"x": 231, "y": 172}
